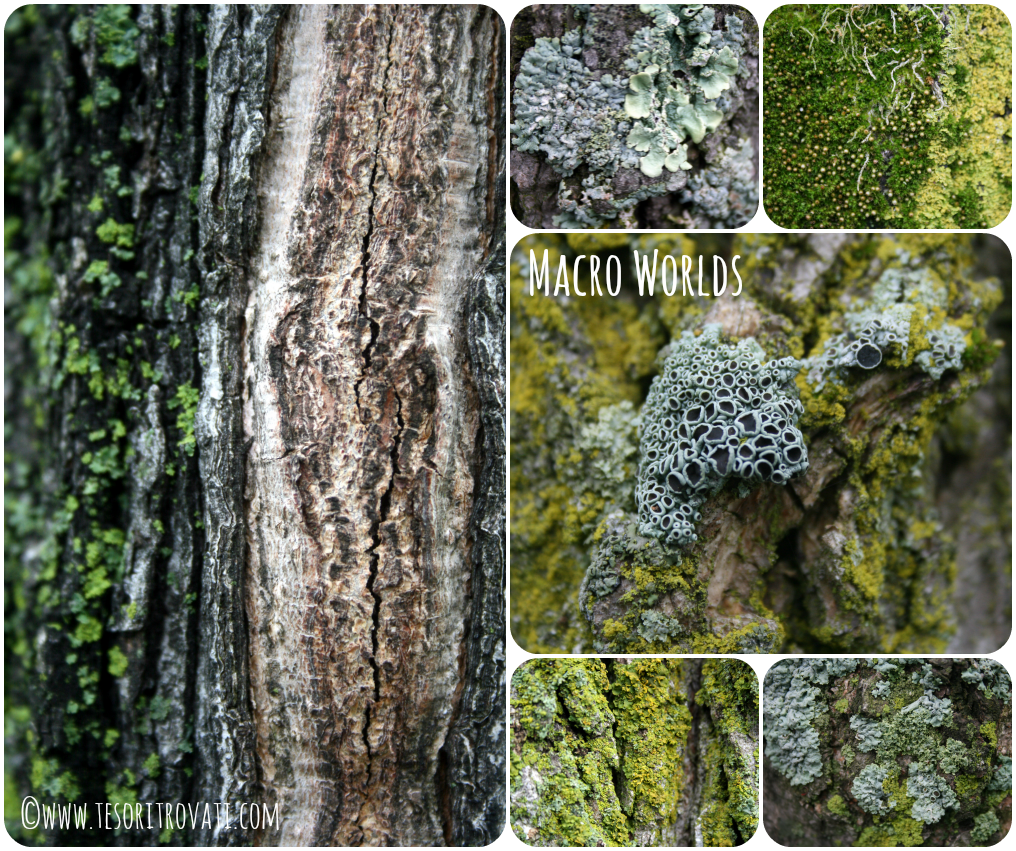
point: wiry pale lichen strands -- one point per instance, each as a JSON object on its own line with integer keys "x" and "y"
{"x": 363, "y": 416}
{"x": 234, "y": 130}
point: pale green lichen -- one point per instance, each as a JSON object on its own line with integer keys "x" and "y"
{"x": 791, "y": 704}
{"x": 681, "y": 66}
{"x": 868, "y": 792}
{"x": 684, "y": 78}
{"x": 986, "y": 827}
{"x": 869, "y": 733}
{"x": 727, "y": 190}
{"x": 931, "y": 793}
{"x": 929, "y": 773}
{"x": 991, "y": 678}
{"x": 882, "y": 324}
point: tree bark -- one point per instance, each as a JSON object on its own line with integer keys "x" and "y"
{"x": 841, "y": 557}
{"x": 634, "y": 752}
{"x": 308, "y": 493}
{"x": 968, "y": 749}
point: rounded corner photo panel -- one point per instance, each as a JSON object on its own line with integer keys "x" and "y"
{"x": 760, "y": 443}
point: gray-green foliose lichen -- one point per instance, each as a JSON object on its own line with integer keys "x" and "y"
{"x": 991, "y": 678}
{"x": 918, "y": 769}
{"x": 885, "y": 320}
{"x": 713, "y": 412}
{"x": 682, "y": 83}
{"x": 931, "y": 792}
{"x": 867, "y": 789}
{"x": 726, "y": 192}
{"x": 791, "y": 703}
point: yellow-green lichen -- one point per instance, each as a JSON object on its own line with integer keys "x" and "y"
{"x": 988, "y": 731}
{"x": 730, "y": 690}
{"x": 836, "y": 806}
{"x": 577, "y": 727}
{"x": 580, "y": 368}
{"x": 652, "y": 728}
{"x": 556, "y": 388}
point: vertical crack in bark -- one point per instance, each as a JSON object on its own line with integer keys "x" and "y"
{"x": 364, "y": 308}
{"x": 385, "y": 503}
{"x": 616, "y": 774}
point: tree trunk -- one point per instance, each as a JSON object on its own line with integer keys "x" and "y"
{"x": 634, "y": 752}
{"x": 256, "y": 335}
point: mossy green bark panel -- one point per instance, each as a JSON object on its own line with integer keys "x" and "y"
{"x": 634, "y": 752}
{"x": 730, "y": 690}
{"x": 884, "y": 115}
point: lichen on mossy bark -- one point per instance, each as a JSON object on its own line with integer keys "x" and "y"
{"x": 854, "y": 554}
{"x": 634, "y": 752}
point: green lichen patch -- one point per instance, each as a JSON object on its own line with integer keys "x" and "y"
{"x": 912, "y": 296}
{"x": 730, "y": 690}
{"x": 601, "y": 748}
{"x": 95, "y": 172}
{"x": 906, "y": 787}
{"x": 576, "y": 372}
{"x": 853, "y": 554}
{"x": 652, "y": 728}
{"x": 624, "y": 123}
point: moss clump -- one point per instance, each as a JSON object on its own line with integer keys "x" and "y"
{"x": 114, "y": 31}
{"x": 884, "y": 116}
{"x": 186, "y": 399}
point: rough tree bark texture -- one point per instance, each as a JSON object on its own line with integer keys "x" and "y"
{"x": 634, "y": 752}
{"x": 938, "y": 731}
{"x": 896, "y": 539}
{"x": 310, "y": 608}
{"x": 362, "y": 408}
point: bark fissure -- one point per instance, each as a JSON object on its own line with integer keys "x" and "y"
{"x": 385, "y": 501}
{"x": 365, "y": 263}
